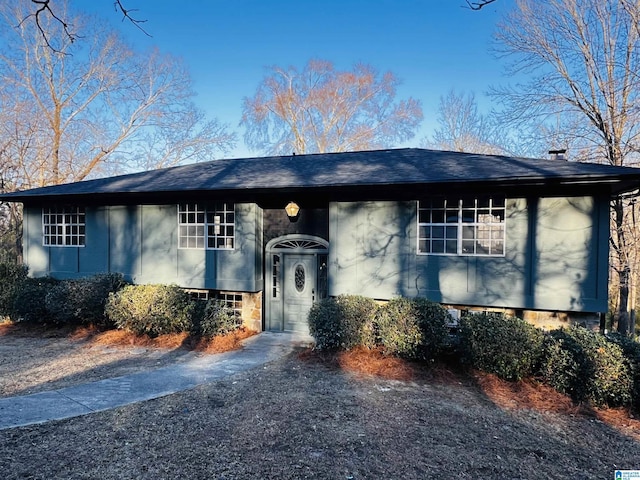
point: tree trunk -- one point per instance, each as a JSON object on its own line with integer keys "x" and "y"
{"x": 623, "y": 310}
{"x": 623, "y": 268}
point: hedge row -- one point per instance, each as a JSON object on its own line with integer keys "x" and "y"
{"x": 107, "y": 300}
{"x": 47, "y": 300}
{"x": 592, "y": 368}
{"x": 161, "y": 309}
{"x": 409, "y": 328}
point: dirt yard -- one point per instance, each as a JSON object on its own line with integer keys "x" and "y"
{"x": 346, "y": 417}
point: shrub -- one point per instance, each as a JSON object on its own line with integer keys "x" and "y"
{"x": 344, "y": 322}
{"x": 29, "y": 302}
{"x": 500, "y": 344}
{"x": 12, "y": 276}
{"x": 82, "y": 301}
{"x": 413, "y": 328}
{"x": 217, "y": 319}
{"x": 588, "y": 367}
{"x": 152, "y": 309}
{"x": 631, "y": 351}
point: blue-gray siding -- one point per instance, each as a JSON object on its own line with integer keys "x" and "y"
{"x": 141, "y": 242}
{"x": 556, "y": 256}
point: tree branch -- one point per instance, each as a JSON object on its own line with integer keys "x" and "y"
{"x": 479, "y": 5}
{"x": 43, "y": 7}
{"x": 127, "y": 15}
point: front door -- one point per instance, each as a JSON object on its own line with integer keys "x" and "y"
{"x": 299, "y": 290}
{"x": 296, "y": 276}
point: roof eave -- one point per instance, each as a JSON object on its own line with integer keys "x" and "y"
{"x": 613, "y": 185}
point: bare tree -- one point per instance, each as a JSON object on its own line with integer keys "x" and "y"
{"x": 90, "y": 108}
{"x": 583, "y": 59}
{"x": 320, "y": 109}
{"x": 101, "y": 110}
{"x": 42, "y": 14}
{"x": 462, "y": 128}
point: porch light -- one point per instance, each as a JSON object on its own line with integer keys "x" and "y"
{"x": 292, "y": 210}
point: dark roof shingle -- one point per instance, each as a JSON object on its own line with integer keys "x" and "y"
{"x": 408, "y": 166}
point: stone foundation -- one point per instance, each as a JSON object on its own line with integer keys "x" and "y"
{"x": 545, "y": 320}
{"x": 555, "y": 320}
{"x": 252, "y": 311}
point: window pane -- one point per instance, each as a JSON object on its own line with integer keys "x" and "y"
{"x": 437, "y": 216}
{"x": 452, "y": 216}
{"x": 468, "y": 246}
{"x": 469, "y": 215}
{"x": 468, "y": 233}
{"x": 437, "y": 246}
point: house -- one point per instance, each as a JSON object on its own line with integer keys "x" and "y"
{"x": 461, "y": 229}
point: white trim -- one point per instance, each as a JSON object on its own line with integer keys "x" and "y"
{"x": 296, "y": 243}
{"x": 460, "y": 225}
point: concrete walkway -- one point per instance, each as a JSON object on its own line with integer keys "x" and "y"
{"x": 115, "y": 392}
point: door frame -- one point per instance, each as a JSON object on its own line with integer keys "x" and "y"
{"x": 275, "y": 251}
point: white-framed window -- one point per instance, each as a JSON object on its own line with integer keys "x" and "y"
{"x": 63, "y": 226}
{"x": 233, "y": 301}
{"x": 211, "y": 227}
{"x": 473, "y": 226}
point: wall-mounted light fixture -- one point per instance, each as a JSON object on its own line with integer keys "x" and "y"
{"x": 293, "y": 211}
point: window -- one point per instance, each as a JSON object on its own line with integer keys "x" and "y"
{"x": 210, "y": 227}
{"x": 197, "y": 294}
{"x": 63, "y": 226}
{"x": 275, "y": 277}
{"x": 233, "y": 301}
{"x": 322, "y": 276}
{"x": 462, "y": 226}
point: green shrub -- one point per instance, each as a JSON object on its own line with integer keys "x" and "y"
{"x": 631, "y": 351}
{"x": 12, "y": 276}
{"x": 152, "y": 309}
{"x": 413, "y": 328}
{"x": 588, "y": 367}
{"x": 82, "y": 301}
{"x": 343, "y": 322}
{"x": 29, "y": 304}
{"x": 217, "y": 319}
{"x": 501, "y": 344}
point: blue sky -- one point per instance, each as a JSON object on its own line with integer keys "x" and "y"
{"x": 431, "y": 45}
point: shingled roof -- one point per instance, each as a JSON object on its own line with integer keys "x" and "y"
{"x": 373, "y": 170}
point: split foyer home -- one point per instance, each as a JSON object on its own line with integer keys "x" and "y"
{"x": 272, "y": 235}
